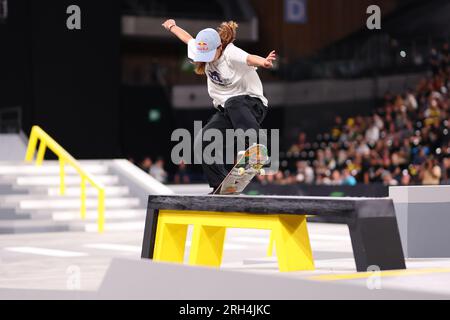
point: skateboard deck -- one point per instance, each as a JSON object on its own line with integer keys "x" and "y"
{"x": 249, "y": 163}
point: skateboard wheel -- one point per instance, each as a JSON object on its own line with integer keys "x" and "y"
{"x": 241, "y": 171}
{"x": 262, "y": 172}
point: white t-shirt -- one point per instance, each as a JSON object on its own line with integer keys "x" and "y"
{"x": 230, "y": 76}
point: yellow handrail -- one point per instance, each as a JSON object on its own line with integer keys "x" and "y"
{"x": 65, "y": 158}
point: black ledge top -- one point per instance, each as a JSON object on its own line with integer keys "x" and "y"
{"x": 345, "y": 206}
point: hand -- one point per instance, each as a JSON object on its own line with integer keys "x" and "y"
{"x": 168, "y": 23}
{"x": 268, "y": 62}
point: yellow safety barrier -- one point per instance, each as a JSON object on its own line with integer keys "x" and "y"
{"x": 289, "y": 232}
{"x": 37, "y": 134}
{"x": 272, "y": 242}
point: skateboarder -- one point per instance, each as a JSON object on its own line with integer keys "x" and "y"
{"x": 233, "y": 84}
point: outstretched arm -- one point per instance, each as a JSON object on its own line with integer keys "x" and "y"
{"x": 176, "y": 30}
{"x": 257, "y": 61}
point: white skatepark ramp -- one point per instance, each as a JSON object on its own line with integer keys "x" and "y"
{"x": 12, "y": 146}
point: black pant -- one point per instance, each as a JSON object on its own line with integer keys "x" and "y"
{"x": 240, "y": 112}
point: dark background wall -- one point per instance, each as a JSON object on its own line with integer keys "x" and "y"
{"x": 328, "y": 21}
{"x": 66, "y": 81}
{"x": 15, "y": 54}
{"x": 140, "y": 136}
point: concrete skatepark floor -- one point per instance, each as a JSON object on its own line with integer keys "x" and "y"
{"x": 50, "y": 260}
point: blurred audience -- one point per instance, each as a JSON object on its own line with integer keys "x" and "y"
{"x": 182, "y": 175}
{"x": 146, "y": 164}
{"x": 157, "y": 171}
{"x": 406, "y": 141}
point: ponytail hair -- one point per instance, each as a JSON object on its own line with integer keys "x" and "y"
{"x": 227, "y": 33}
{"x": 200, "y": 68}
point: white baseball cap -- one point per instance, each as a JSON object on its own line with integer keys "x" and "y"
{"x": 204, "y": 46}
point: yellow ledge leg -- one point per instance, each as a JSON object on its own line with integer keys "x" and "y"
{"x": 170, "y": 242}
{"x": 292, "y": 244}
{"x": 207, "y": 246}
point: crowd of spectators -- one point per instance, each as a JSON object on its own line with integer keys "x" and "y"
{"x": 156, "y": 170}
{"x": 404, "y": 142}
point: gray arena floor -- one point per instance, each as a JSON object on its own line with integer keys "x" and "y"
{"x": 53, "y": 260}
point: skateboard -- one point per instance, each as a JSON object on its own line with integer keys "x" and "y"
{"x": 250, "y": 163}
